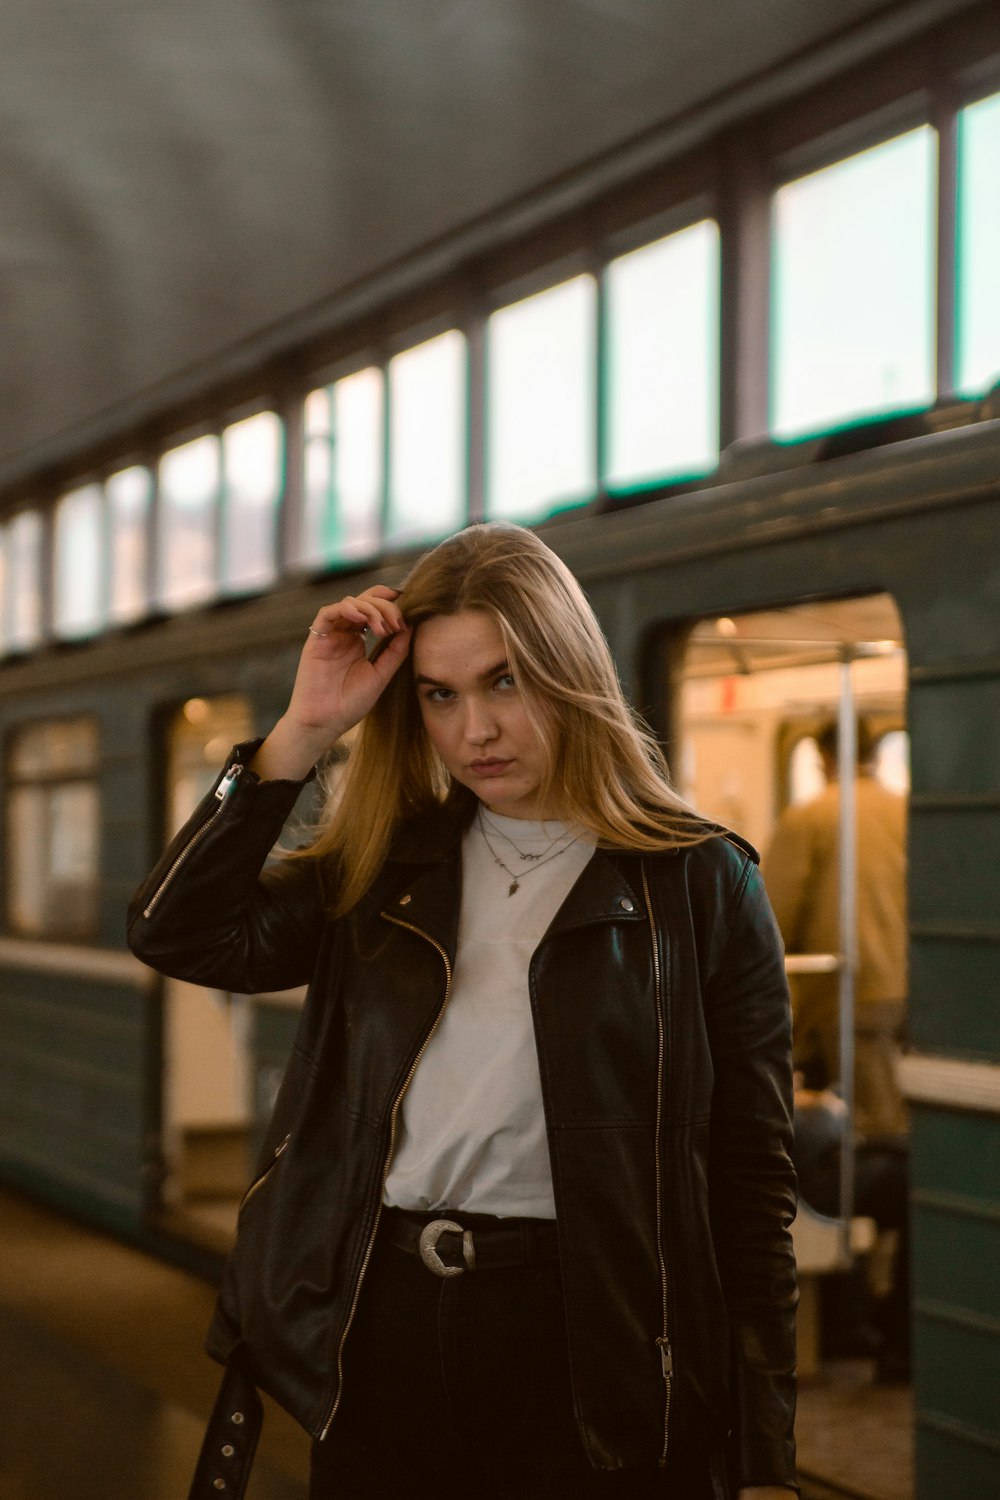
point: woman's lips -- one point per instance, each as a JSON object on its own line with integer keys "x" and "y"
{"x": 489, "y": 767}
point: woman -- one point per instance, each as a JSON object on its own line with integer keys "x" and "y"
{"x": 522, "y": 1223}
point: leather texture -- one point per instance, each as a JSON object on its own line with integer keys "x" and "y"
{"x": 230, "y": 1442}
{"x": 378, "y": 979}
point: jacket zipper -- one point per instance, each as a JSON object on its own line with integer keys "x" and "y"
{"x": 260, "y": 1180}
{"x": 393, "y": 1118}
{"x": 221, "y": 793}
{"x": 663, "y": 1342}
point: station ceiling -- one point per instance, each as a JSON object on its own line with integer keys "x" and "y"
{"x": 181, "y": 180}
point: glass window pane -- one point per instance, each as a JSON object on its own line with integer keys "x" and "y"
{"x": 4, "y": 592}
{"x": 58, "y": 747}
{"x": 663, "y": 357}
{"x": 24, "y": 560}
{"x": 853, "y": 287}
{"x": 979, "y": 245}
{"x": 189, "y": 492}
{"x": 53, "y": 872}
{"x": 343, "y": 468}
{"x": 78, "y": 577}
{"x": 128, "y": 496}
{"x": 427, "y": 438}
{"x": 253, "y": 458}
{"x": 540, "y": 417}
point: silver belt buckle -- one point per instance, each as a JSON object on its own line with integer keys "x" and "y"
{"x": 429, "y": 1236}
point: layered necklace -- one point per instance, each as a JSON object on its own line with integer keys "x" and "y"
{"x": 534, "y": 862}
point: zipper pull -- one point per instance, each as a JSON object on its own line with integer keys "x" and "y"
{"x": 666, "y": 1357}
{"x": 228, "y": 781}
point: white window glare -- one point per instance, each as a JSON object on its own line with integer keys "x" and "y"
{"x": 189, "y": 493}
{"x": 663, "y": 358}
{"x": 24, "y": 580}
{"x": 253, "y": 458}
{"x": 78, "y": 607}
{"x": 540, "y": 417}
{"x": 979, "y": 246}
{"x": 128, "y": 495}
{"x": 427, "y": 439}
{"x": 853, "y": 287}
{"x": 4, "y": 599}
{"x": 343, "y": 468}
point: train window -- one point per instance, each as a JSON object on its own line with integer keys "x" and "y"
{"x": 541, "y": 355}
{"x": 427, "y": 438}
{"x": 979, "y": 245}
{"x": 52, "y": 818}
{"x": 78, "y": 562}
{"x": 189, "y": 495}
{"x": 343, "y": 468}
{"x": 128, "y": 494}
{"x": 253, "y": 474}
{"x": 663, "y": 359}
{"x": 23, "y": 574}
{"x": 854, "y": 290}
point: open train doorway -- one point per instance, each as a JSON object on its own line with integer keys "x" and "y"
{"x": 206, "y": 1086}
{"x": 790, "y": 729}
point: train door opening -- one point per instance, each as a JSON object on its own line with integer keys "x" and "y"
{"x": 206, "y": 1086}
{"x": 790, "y": 729}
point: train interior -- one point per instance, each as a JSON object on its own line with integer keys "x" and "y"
{"x": 755, "y": 689}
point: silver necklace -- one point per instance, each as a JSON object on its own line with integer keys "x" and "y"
{"x": 515, "y": 879}
{"x": 526, "y": 855}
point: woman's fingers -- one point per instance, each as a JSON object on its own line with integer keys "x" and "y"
{"x": 373, "y": 610}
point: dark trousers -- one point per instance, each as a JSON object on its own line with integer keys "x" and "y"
{"x": 463, "y": 1386}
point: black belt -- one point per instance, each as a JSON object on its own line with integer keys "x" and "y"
{"x": 448, "y": 1245}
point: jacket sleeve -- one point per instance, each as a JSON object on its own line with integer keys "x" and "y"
{"x": 210, "y": 913}
{"x": 752, "y": 1180}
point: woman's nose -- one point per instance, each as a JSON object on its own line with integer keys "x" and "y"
{"x": 480, "y": 723}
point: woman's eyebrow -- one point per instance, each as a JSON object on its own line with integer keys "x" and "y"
{"x": 500, "y": 666}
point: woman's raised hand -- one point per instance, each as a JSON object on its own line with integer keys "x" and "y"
{"x": 336, "y": 684}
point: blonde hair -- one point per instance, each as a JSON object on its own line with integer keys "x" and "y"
{"x": 605, "y": 770}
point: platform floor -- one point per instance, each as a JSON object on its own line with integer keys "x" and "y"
{"x": 104, "y": 1390}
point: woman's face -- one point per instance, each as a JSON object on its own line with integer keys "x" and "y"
{"x": 475, "y": 716}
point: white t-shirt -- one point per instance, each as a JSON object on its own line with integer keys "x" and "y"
{"x": 472, "y": 1128}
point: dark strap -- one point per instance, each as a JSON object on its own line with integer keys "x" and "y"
{"x": 495, "y": 1243}
{"x": 230, "y": 1441}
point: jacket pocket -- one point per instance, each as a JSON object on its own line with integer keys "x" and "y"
{"x": 262, "y": 1176}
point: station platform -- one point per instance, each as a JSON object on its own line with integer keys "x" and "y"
{"x": 104, "y": 1389}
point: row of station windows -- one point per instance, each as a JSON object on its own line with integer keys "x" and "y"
{"x": 594, "y": 384}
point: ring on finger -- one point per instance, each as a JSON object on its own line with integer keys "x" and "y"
{"x": 321, "y": 633}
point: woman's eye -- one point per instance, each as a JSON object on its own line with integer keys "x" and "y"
{"x": 506, "y": 681}
{"x": 438, "y": 695}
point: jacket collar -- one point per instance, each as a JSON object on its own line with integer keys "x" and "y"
{"x": 429, "y": 852}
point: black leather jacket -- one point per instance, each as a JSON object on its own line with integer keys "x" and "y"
{"x": 662, "y": 1025}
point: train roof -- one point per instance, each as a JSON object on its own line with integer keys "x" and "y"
{"x": 176, "y": 180}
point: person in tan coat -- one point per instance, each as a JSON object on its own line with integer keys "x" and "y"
{"x": 801, "y": 872}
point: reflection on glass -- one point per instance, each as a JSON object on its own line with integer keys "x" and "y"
{"x": 128, "y": 494}
{"x": 253, "y": 456}
{"x": 52, "y": 823}
{"x": 78, "y": 574}
{"x": 189, "y": 491}
{"x": 853, "y": 295}
{"x": 24, "y": 561}
{"x": 343, "y": 468}
{"x": 427, "y": 439}
{"x": 58, "y": 747}
{"x": 540, "y": 411}
{"x": 663, "y": 358}
{"x": 3, "y": 588}
{"x": 979, "y": 245}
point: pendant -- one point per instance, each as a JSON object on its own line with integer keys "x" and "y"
{"x": 513, "y": 887}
